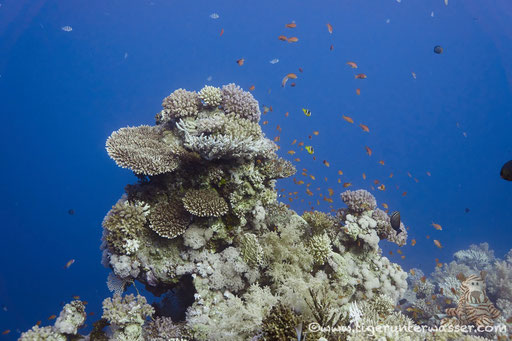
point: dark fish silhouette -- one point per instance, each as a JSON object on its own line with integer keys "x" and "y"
{"x": 402, "y": 301}
{"x": 506, "y": 171}
{"x": 438, "y": 49}
{"x": 71, "y": 211}
{"x": 395, "y": 221}
{"x": 466, "y": 210}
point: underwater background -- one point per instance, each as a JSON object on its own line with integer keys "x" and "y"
{"x": 64, "y": 91}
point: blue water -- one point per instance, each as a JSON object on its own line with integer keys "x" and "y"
{"x": 63, "y": 93}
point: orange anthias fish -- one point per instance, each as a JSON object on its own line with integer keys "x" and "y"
{"x": 326, "y": 163}
{"x": 364, "y": 176}
{"x": 413, "y": 242}
{"x": 292, "y": 39}
{"x": 329, "y": 28}
{"x": 221, "y": 32}
{"x": 352, "y": 65}
{"x": 358, "y": 92}
{"x": 382, "y": 187}
{"x": 437, "y": 226}
{"x": 5, "y": 332}
{"x": 368, "y": 151}
{"x": 412, "y": 272}
{"x": 52, "y": 317}
{"x": 437, "y": 243}
{"x": 347, "y": 184}
{"x": 348, "y": 119}
{"x": 381, "y": 162}
{"x": 240, "y": 62}
{"x": 288, "y": 76}
{"x": 69, "y": 263}
{"x": 385, "y": 205}
{"x": 360, "y": 76}
{"x": 340, "y": 172}
{"x": 365, "y": 128}
{"x": 291, "y": 25}
{"x": 252, "y": 88}
{"x": 282, "y": 38}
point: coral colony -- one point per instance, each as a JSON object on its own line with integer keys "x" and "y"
{"x": 203, "y": 229}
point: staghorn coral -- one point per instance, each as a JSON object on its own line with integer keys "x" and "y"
{"x": 142, "y": 150}
{"x": 180, "y": 103}
{"x": 211, "y": 96}
{"x": 168, "y": 219}
{"x": 235, "y": 100}
{"x": 205, "y": 203}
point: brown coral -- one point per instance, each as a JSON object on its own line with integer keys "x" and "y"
{"x": 205, "y": 203}
{"x": 142, "y": 150}
{"x": 242, "y": 103}
{"x": 180, "y": 103}
{"x": 168, "y": 219}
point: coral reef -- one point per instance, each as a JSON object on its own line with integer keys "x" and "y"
{"x": 204, "y": 220}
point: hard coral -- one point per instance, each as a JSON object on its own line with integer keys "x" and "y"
{"x": 359, "y": 200}
{"x": 205, "y": 203}
{"x": 235, "y": 100}
{"x": 180, "y": 103}
{"x": 168, "y": 219}
{"x": 142, "y": 150}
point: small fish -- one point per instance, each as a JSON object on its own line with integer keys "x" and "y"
{"x": 329, "y": 28}
{"x": 412, "y": 272}
{"x": 437, "y": 226}
{"x": 240, "y": 61}
{"x": 348, "y": 119}
{"x": 71, "y": 211}
{"x": 394, "y": 219}
{"x": 384, "y": 204}
{"x": 382, "y": 187}
{"x": 5, "y": 332}
{"x": 331, "y": 48}
{"x": 368, "y": 151}
{"x": 413, "y": 75}
{"x": 331, "y": 192}
{"x": 288, "y": 76}
{"x": 316, "y": 133}
{"x": 282, "y": 38}
{"x": 52, "y": 317}
{"x": 381, "y": 162}
{"x": 413, "y": 242}
{"x": 466, "y": 210}
{"x": 404, "y": 194}
{"x": 76, "y": 297}
{"x": 390, "y": 175}
{"x": 364, "y": 127}
{"x": 38, "y": 323}
{"x": 291, "y": 152}
{"x": 291, "y": 25}
{"x": 364, "y": 176}
{"x": 340, "y": 172}
{"x": 309, "y": 149}
{"x": 221, "y": 32}
{"x": 306, "y": 112}
{"x": 91, "y": 313}
{"x": 423, "y": 279}
{"x": 358, "y": 91}
{"x": 301, "y": 70}
{"x": 399, "y": 251}
{"x": 402, "y": 301}
{"x": 67, "y": 28}
{"x": 446, "y": 2}
{"x": 506, "y": 171}
{"x": 438, "y": 243}
{"x": 360, "y": 76}
{"x": 252, "y": 88}
{"x": 439, "y": 265}
{"x": 274, "y": 61}
{"x": 347, "y": 184}
{"x": 391, "y": 253}
{"x": 69, "y": 263}
{"x": 428, "y": 174}
{"x": 326, "y": 163}
{"x": 214, "y": 16}
{"x": 352, "y": 65}
{"x": 438, "y": 49}
{"x": 292, "y": 39}
{"x": 428, "y": 237}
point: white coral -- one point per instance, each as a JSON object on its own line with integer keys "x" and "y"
{"x": 211, "y": 96}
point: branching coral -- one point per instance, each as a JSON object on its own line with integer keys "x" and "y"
{"x": 142, "y": 150}
{"x": 168, "y": 219}
{"x": 359, "y": 201}
{"x": 234, "y": 99}
{"x": 205, "y": 203}
{"x": 211, "y": 96}
{"x": 180, "y": 103}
